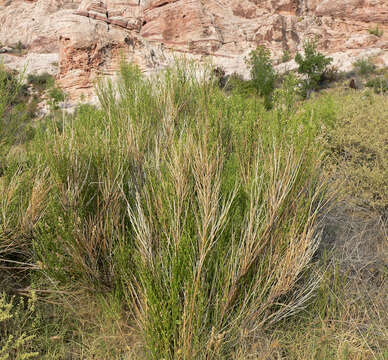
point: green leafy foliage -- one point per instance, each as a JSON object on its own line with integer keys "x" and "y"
{"x": 286, "y": 57}
{"x": 46, "y": 82}
{"x": 313, "y": 65}
{"x": 166, "y": 196}
{"x": 18, "y": 328}
{"x": 16, "y": 112}
{"x": 41, "y": 82}
{"x": 237, "y": 84}
{"x": 376, "y": 31}
{"x": 287, "y": 95}
{"x": 56, "y": 95}
{"x": 262, "y": 73}
{"x": 364, "y": 66}
{"x": 182, "y": 210}
{"x": 378, "y": 84}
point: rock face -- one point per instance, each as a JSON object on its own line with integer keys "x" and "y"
{"x": 91, "y": 37}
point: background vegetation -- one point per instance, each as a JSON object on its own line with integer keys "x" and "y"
{"x": 185, "y": 218}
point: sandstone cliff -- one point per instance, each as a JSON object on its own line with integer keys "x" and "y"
{"x": 82, "y": 39}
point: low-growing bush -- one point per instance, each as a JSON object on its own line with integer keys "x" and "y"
{"x": 16, "y": 111}
{"x": 197, "y": 208}
{"x": 42, "y": 81}
{"x": 263, "y": 74}
{"x": 331, "y": 74}
{"x": 286, "y": 57}
{"x": 236, "y": 83}
{"x": 56, "y": 95}
{"x": 18, "y": 327}
{"x": 188, "y": 212}
{"x": 46, "y": 83}
{"x": 378, "y": 84}
{"x": 364, "y": 66}
{"x": 314, "y": 65}
{"x": 376, "y": 31}
{"x": 287, "y": 95}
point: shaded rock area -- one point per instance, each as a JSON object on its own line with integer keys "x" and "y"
{"x": 91, "y": 37}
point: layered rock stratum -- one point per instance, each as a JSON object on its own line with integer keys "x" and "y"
{"x": 80, "y": 40}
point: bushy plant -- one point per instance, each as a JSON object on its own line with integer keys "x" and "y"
{"x": 42, "y": 81}
{"x": 331, "y": 74}
{"x": 263, "y": 74}
{"x": 376, "y": 31}
{"x": 56, "y": 95}
{"x": 162, "y": 197}
{"x": 286, "y": 57}
{"x": 46, "y": 82}
{"x": 10, "y": 86}
{"x": 287, "y": 95}
{"x": 18, "y": 327}
{"x": 379, "y": 85}
{"x": 18, "y": 48}
{"x": 313, "y": 65}
{"x": 187, "y": 213}
{"x": 15, "y": 111}
{"x": 364, "y": 66}
{"x": 236, "y": 83}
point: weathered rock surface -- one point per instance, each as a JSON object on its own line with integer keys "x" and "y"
{"x": 91, "y": 37}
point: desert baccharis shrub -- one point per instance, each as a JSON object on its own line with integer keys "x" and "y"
{"x": 286, "y": 57}
{"x": 313, "y": 65}
{"x": 376, "y": 31}
{"x": 15, "y": 131}
{"x": 287, "y": 95}
{"x": 56, "y": 95}
{"x": 41, "y": 81}
{"x": 18, "y": 327}
{"x": 17, "y": 110}
{"x": 45, "y": 82}
{"x": 364, "y": 66}
{"x": 197, "y": 208}
{"x": 263, "y": 74}
{"x": 236, "y": 83}
{"x": 190, "y": 215}
{"x": 378, "y": 84}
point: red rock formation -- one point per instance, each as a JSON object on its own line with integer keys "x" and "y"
{"x": 92, "y": 37}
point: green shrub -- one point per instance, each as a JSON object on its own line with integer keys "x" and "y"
{"x": 56, "y": 95}
{"x": 187, "y": 213}
{"x": 331, "y": 74}
{"x": 376, "y": 31}
{"x": 379, "y": 85}
{"x": 236, "y": 83}
{"x": 18, "y": 48}
{"x": 286, "y": 57}
{"x": 18, "y": 328}
{"x": 15, "y": 111}
{"x": 46, "y": 82}
{"x": 364, "y": 67}
{"x": 313, "y": 65}
{"x": 196, "y": 206}
{"x": 262, "y": 73}
{"x": 41, "y": 82}
{"x": 287, "y": 95}
{"x": 10, "y": 87}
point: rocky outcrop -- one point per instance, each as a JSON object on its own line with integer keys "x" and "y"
{"x": 91, "y": 37}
